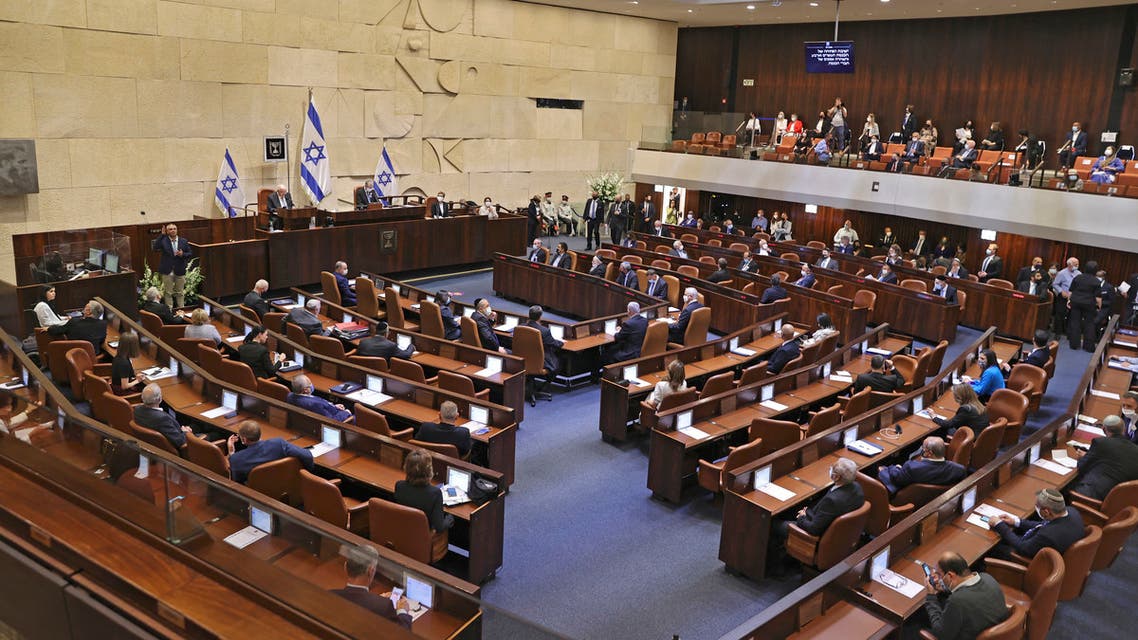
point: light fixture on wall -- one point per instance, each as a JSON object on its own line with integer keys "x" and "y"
{"x": 811, "y": 208}
{"x": 988, "y": 234}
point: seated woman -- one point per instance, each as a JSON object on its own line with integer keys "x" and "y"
{"x": 123, "y": 379}
{"x": 45, "y": 309}
{"x": 1107, "y": 167}
{"x": 991, "y": 378}
{"x": 418, "y": 492}
{"x": 970, "y": 412}
{"x": 825, "y": 330}
{"x": 488, "y": 209}
{"x": 201, "y": 328}
{"x": 673, "y": 383}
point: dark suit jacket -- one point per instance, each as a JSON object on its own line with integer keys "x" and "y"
{"x": 262, "y": 451}
{"x": 542, "y": 255}
{"x": 1027, "y": 540}
{"x": 1024, "y": 286}
{"x": 960, "y": 273}
{"x": 1110, "y": 461}
{"x": 965, "y": 416}
{"x": 782, "y": 355}
{"x": 256, "y": 355}
{"x": 924, "y": 249}
{"x": 890, "y": 278}
{"x": 1025, "y": 275}
{"x": 275, "y": 202}
{"x": 1038, "y": 357}
{"x": 452, "y": 330}
{"x": 597, "y": 213}
{"x": 873, "y": 151}
{"x": 163, "y": 312}
{"x": 549, "y": 345}
{"x": 995, "y": 267}
{"x": 885, "y": 242}
{"x": 347, "y": 296}
{"x": 439, "y": 209}
{"x": 941, "y": 472}
{"x": 658, "y": 289}
{"x": 381, "y": 347}
{"x": 895, "y": 166}
{"x": 304, "y": 319}
{"x": 678, "y": 254}
{"x": 844, "y": 248}
{"x": 161, "y": 421}
{"x": 428, "y": 499}
{"x": 806, "y": 281}
{"x": 628, "y": 279}
{"x": 965, "y": 158}
{"x": 92, "y": 330}
{"x": 485, "y": 331}
{"x": 837, "y": 502}
{"x": 949, "y": 294}
{"x": 628, "y": 340}
{"x": 773, "y": 294}
{"x": 749, "y": 267}
{"x": 445, "y": 434}
{"x": 719, "y": 275}
{"x": 365, "y": 196}
{"x": 827, "y": 263}
{"x": 913, "y": 149}
{"x": 885, "y": 382}
{"x": 676, "y": 331}
{"x": 561, "y": 261}
{"x": 1084, "y": 289}
{"x": 254, "y": 301}
{"x": 598, "y": 270}
{"x": 375, "y": 603}
{"x": 1080, "y": 142}
{"x": 647, "y": 213}
{"x": 170, "y": 263}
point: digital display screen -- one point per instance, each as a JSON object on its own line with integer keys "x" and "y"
{"x": 830, "y": 57}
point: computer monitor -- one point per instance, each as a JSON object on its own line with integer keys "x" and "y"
{"x": 111, "y": 263}
{"x": 458, "y": 479}
{"x": 261, "y": 519}
{"x": 419, "y": 590}
{"x": 95, "y": 258}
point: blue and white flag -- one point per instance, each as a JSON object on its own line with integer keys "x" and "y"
{"x": 315, "y": 174}
{"x": 384, "y": 180}
{"x": 228, "y": 194}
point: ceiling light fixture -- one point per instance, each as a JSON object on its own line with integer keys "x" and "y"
{"x": 813, "y": 4}
{"x": 750, "y": 7}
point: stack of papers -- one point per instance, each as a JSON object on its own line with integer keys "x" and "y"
{"x": 692, "y": 432}
{"x": 841, "y": 376}
{"x": 368, "y": 397}
{"x": 158, "y": 373}
{"x": 985, "y": 510}
{"x": 288, "y": 307}
{"x": 638, "y": 382}
{"x": 1053, "y": 466}
{"x": 12, "y": 384}
{"x": 1123, "y": 343}
{"x": 1096, "y": 431}
{"x": 1105, "y": 394}
{"x": 1087, "y": 419}
{"x": 778, "y": 493}
{"x": 743, "y": 351}
{"x": 1060, "y": 456}
{"x": 245, "y": 537}
{"x": 235, "y": 339}
{"x": 773, "y": 406}
{"x": 882, "y": 352}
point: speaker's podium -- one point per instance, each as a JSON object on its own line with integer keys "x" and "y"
{"x": 295, "y": 218}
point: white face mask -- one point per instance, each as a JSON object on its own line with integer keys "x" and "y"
{"x": 1075, "y": 129}
{"x": 1052, "y": 271}
{"x": 988, "y": 252}
{"x": 1129, "y": 413}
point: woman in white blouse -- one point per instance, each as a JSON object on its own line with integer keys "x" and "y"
{"x": 779, "y": 127}
{"x": 825, "y": 330}
{"x": 870, "y": 129}
{"x": 488, "y": 209}
{"x": 45, "y": 310}
{"x": 674, "y": 383}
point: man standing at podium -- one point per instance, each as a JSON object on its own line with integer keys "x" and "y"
{"x": 176, "y": 254}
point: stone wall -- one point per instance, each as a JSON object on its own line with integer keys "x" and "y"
{"x": 133, "y": 102}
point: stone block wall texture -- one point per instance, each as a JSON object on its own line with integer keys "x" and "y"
{"x": 133, "y": 102}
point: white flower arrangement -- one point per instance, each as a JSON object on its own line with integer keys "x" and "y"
{"x": 607, "y": 185}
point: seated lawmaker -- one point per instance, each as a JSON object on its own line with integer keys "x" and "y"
{"x": 991, "y": 378}
{"x": 123, "y": 379}
{"x": 1052, "y": 525}
{"x": 200, "y": 327}
{"x": 256, "y": 299}
{"x": 674, "y": 382}
{"x": 885, "y": 276}
{"x": 597, "y": 267}
{"x": 656, "y": 288}
{"x": 254, "y": 353}
{"x": 678, "y": 250}
{"x": 445, "y": 431}
{"x": 942, "y": 289}
{"x": 561, "y": 258}
{"x": 417, "y": 490}
{"x": 305, "y": 317}
{"x": 258, "y": 452}
{"x": 961, "y": 603}
{"x": 845, "y": 246}
{"x": 1039, "y": 354}
{"x": 1035, "y": 285}
{"x": 930, "y": 468}
{"x": 970, "y": 412}
{"x": 748, "y": 264}
{"x": 366, "y": 195}
{"x": 90, "y": 327}
{"x": 1111, "y": 460}
{"x": 626, "y": 276}
{"x": 962, "y": 160}
{"x": 825, "y": 330}
{"x": 1107, "y": 167}
{"x": 873, "y": 150}
{"x": 301, "y": 396}
{"x": 720, "y": 274}
{"x": 844, "y": 497}
{"x": 549, "y": 344}
{"x": 452, "y": 330}
{"x": 484, "y": 318}
{"x": 629, "y": 336}
{"x": 806, "y": 280}
{"x": 279, "y": 199}
{"x": 379, "y": 346}
{"x": 346, "y": 289}
{"x": 882, "y": 377}
{"x": 775, "y": 292}
{"x": 151, "y": 415}
{"x": 537, "y": 252}
{"x": 360, "y": 567}
{"x": 787, "y": 351}
{"x": 689, "y": 304}
{"x": 155, "y": 305}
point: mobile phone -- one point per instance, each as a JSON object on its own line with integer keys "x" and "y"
{"x": 926, "y": 568}
{"x": 984, "y": 519}
{"x": 396, "y": 594}
{"x": 452, "y": 492}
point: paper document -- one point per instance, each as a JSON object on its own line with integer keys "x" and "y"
{"x": 245, "y": 537}
{"x": 1116, "y": 364}
{"x": 158, "y": 373}
{"x": 368, "y": 397}
{"x": 321, "y": 448}
{"x": 235, "y": 339}
{"x": 781, "y": 494}
{"x": 1097, "y": 431}
{"x": 773, "y": 406}
{"x": 1087, "y": 419}
{"x": 1052, "y": 466}
{"x": 1123, "y": 343}
{"x": 985, "y": 510}
{"x": 743, "y": 351}
{"x": 1060, "y": 456}
{"x": 638, "y": 382}
{"x": 1105, "y": 394}
{"x": 1124, "y": 288}
{"x": 487, "y": 372}
{"x": 216, "y": 413}
{"x": 899, "y": 583}
{"x": 841, "y": 376}
{"x": 12, "y": 384}
{"x": 288, "y": 307}
{"x": 692, "y": 432}
{"x": 882, "y": 352}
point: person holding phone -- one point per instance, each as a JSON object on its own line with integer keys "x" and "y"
{"x": 961, "y": 603}
{"x": 360, "y": 567}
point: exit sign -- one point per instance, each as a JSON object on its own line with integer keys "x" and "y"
{"x": 748, "y": 82}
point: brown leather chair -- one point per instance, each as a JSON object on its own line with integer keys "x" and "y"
{"x": 789, "y": 255}
{"x": 189, "y": 347}
{"x": 210, "y": 359}
{"x": 752, "y": 374}
{"x": 915, "y": 285}
{"x": 95, "y": 386}
{"x": 376, "y": 422}
{"x": 865, "y": 299}
{"x": 739, "y": 247}
{"x": 527, "y": 344}
{"x": 1001, "y": 283}
{"x": 153, "y": 438}
{"x": 918, "y": 494}
{"x": 689, "y": 238}
{"x": 57, "y": 356}
{"x": 1012, "y": 628}
{"x": 661, "y": 264}
{"x": 1012, "y": 406}
{"x": 907, "y": 367}
{"x": 1077, "y": 560}
{"x": 856, "y": 404}
{"x": 632, "y": 259}
{"x": 675, "y": 291}
{"x": 322, "y": 499}
{"x": 329, "y": 347}
{"x": 238, "y": 373}
{"x": 816, "y": 244}
{"x": 207, "y": 455}
{"x": 962, "y": 297}
{"x": 687, "y": 270}
{"x": 1098, "y": 512}
{"x": 458, "y": 383}
{"x": 987, "y": 444}
{"x": 448, "y": 450}
{"x": 405, "y": 529}
{"x": 749, "y": 288}
{"x": 605, "y": 254}
{"x": 1034, "y": 587}
{"x": 408, "y": 370}
{"x": 648, "y": 412}
{"x": 655, "y": 339}
{"x": 776, "y": 434}
{"x": 835, "y": 543}
{"x": 707, "y": 260}
{"x": 717, "y": 384}
{"x": 936, "y": 358}
{"x": 367, "y": 299}
{"x": 272, "y": 389}
{"x": 837, "y": 290}
{"x": 328, "y": 289}
{"x": 696, "y": 332}
{"x": 881, "y": 512}
{"x": 279, "y": 479}
{"x": 395, "y": 311}
{"x": 431, "y": 320}
{"x": 150, "y": 322}
{"x": 711, "y": 475}
{"x": 115, "y": 411}
{"x": 249, "y": 313}
{"x": 79, "y": 363}
{"x": 273, "y": 320}
{"x": 959, "y": 449}
{"x": 1115, "y": 533}
{"x": 470, "y": 332}
{"x": 823, "y": 419}
{"x": 369, "y": 362}
{"x": 1033, "y": 375}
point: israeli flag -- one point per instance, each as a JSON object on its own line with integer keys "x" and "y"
{"x": 315, "y": 174}
{"x": 384, "y": 180}
{"x": 228, "y": 194}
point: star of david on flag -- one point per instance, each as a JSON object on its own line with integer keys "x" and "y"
{"x": 315, "y": 172}
{"x": 228, "y": 194}
{"x": 385, "y": 183}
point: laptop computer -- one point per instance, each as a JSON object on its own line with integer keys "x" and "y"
{"x": 457, "y": 487}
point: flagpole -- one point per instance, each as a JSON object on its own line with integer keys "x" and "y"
{"x": 288, "y": 163}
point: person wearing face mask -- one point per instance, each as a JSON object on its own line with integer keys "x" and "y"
{"x": 956, "y": 269}
{"x": 943, "y": 252}
{"x": 781, "y": 228}
{"x": 561, "y": 259}
{"x": 1074, "y": 146}
{"x": 845, "y": 496}
{"x": 1112, "y": 459}
{"x": 992, "y": 266}
{"x": 764, "y": 249}
{"x": 656, "y": 287}
{"x": 597, "y": 267}
{"x": 1052, "y": 525}
{"x": 690, "y": 303}
{"x": 1061, "y": 287}
{"x": 1107, "y": 167}
{"x": 994, "y": 141}
{"x": 806, "y": 280}
{"x": 748, "y": 264}
{"x": 869, "y": 130}
{"x": 549, "y": 213}
{"x": 1083, "y": 302}
{"x": 780, "y": 126}
{"x": 942, "y": 289}
{"x": 887, "y": 239}
{"x": 1106, "y": 292}
{"x": 893, "y": 256}
{"x": 1036, "y": 266}
{"x": 678, "y": 250}
{"x": 826, "y": 262}
{"x": 775, "y": 292}
{"x": 533, "y": 218}
{"x": 484, "y": 318}
{"x": 908, "y": 123}
{"x": 991, "y": 378}
{"x": 960, "y": 603}
{"x": 885, "y": 276}
{"x": 488, "y": 209}
{"x": 848, "y": 232}
{"x": 440, "y": 208}
{"x": 1039, "y": 353}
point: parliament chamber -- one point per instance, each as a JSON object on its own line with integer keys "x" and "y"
{"x": 352, "y": 388}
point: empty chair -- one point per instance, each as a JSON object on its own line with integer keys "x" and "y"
{"x": 1100, "y": 511}
{"x": 238, "y": 373}
{"x": 448, "y": 450}
{"x": 115, "y": 411}
{"x": 79, "y": 363}
{"x": 1115, "y": 533}
{"x": 374, "y": 421}
{"x": 915, "y": 285}
{"x": 775, "y": 434}
{"x": 395, "y": 311}
{"x": 1077, "y": 560}
{"x": 150, "y": 322}
{"x": 714, "y": 242}
{"x": 688, "y": 270}
{"x": 856, "y": 404}
{"x": 189, "y": 347}
{"x": 823, "y": 419}
{"x": 707, "y": 260}
{"x": 837, "y": 290}
{"x": 790, "y": 255}
{"x": 711, "y": 475}
{"x": 816, "y": 244}
{"x": 865, "y": 299}
{"x": 881, "y": 512}
{"x": 207, "y": 455}
{"x": 408, "y": 370}
{"x": 279, "y": 479}
{"x": 272, "y": 389}
{"x": 738, "y": 246}
{"x": 674, "y": 289}
{"x": 1001, "y": 283}
{"x": 827, "y": 550}
{"x": 936, "y": 358}
{"x": 752, "y": 374}
{"x": 370, "y": 362}
{"x": 906, "y": 366}
{"x": 249, "y": 313}
{"x": 431, "y": 319}
{"x": 57, "y": 357}
{"x": 661, "y": 264}
{"x": 470, "y": 332}
{"x": 458, "y": 383}
{"x": 717, "y": 384}
{"x": 405, "y": 529}
{"x": 1029, "y": 374}
{"x": 328, "y": 347}
{"x": 296, "y": 334}
{"x": 367, "y": 300}
{"x": 322, "y": 499}
{"x": 1034, "y": 587}
{"x": 959, "y": 449}
{"x": 655, "y": 339}
{"x": 1011, "y": 405}
{"x": 987, "y": 444}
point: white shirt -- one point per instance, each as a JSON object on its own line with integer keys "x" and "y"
{"x": 850, "y": 233}
{"x": 47, "y": 316}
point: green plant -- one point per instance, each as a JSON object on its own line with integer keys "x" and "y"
{"x": 194, "y": 280}
{"x": 607, "y": 185}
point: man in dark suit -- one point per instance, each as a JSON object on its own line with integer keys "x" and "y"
{"x": 366, "y": 195}
{"x": 657, "y": 288}
{"x": 378, "y": 346}
{"x": 1035, "y": 285}
{"x": 787, "y": 351}
{"x": 845, "y": 247}
{"x": 748, "y": 263}
{"x": 914, "y": 149}
{"x": 992, "y": 266}
{"x": 90, "y": 326}
{"x": 690, "y": 303}
{"x": 930, "y": 468}
{"x": 302, "y": 396}
{"x": 729, "y": 227}
{"x": 960, "y": 603}
{"x": 537, "y": 253}
{"x": 775, "y": 292}
{"x": 1040, "y": 353}
{"x": 441, "y": 208}
{"x": 1106, "y": 292}
{"x": 659, "y": 230}
{"x": 1076, "y": 145}
{"x": 1052, "y": 525}
{"x": 256, "y": 300}
{"x": 279, "y": 199}
{"x": 151, "y": 415}
{"x": 347, "y": 293}
{"x": 826, "y": 262}
{"x": 885, "y": 275}
{"x": 452, "y": 330}
{"x": 845, "y": 496}
{"x": 957, "y": 270}
{"x": 360, "y": 567}
{"x": 483, "y": 317}
{"x": 962, "y": 160}
{"x": 597, "y": 267}
{"x": 1111, "y": 460}
{"x": 549, "y": 344}
{"x": 909, "y": 122}
{"x": 444, "y": 431}
{"x": 533, "y": 218}
{"x": 629, "y": 337}
{"x": 895, "y": 164}
{"x": 921, "y": 247}
{"x": 305, "y": 318}
{"x": 873, "y": 150}
{"x": 594, "y": 212}
{"x": 646, "y": 215}
{"x": 1084, "y": 303}
{"x": 887, "y": 239}
{"x": 882, "y": 377}
{"x": 944, "y": 290}
{"x": 1036, "y": 266}
{"x": 720, "y": 274}
{"x": 258, "y": 452}
{"x": 154, "y": 305}
{"x": 627, "y": 277}
{"x": 806, "y": 280}
{"x": 176, "y": 255}
{"x": 561, "y": 258}
{"x": 678, "y": 250}
{"x": 616, "y": 219}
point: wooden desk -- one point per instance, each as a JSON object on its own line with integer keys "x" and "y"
{"x": 292, "y": 219}
{"x": 69, "y": 294}
{"x": 568, "y": 292}
{"x": 231, "y": 268}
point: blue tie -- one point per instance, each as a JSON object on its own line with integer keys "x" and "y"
{"x": 1032, "y": 531}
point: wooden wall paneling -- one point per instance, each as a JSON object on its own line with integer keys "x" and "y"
{"x": 706, "y": 56}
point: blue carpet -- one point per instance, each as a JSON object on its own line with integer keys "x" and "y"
{"x": 589, "y": 554}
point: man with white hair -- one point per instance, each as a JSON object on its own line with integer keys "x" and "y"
{"x": 151, "y": 415}
{"x": 302, "y": 397}
{"x": 155, "y": 305}
{"x": 627, "y": 277}
{"x": 280, "y": 199}
{"x": 845, "y": 496}
{"x": 680, "y": 326}
{"x": 90, "y": 327}
{"x": 256, "y": 300}
{"x": 306, "y": 318}
{"x": 629, "y": 337}
{"x": 930, "y": 468}
{"x": 678, "y": 250}
{"x": 1052, "y": 525}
